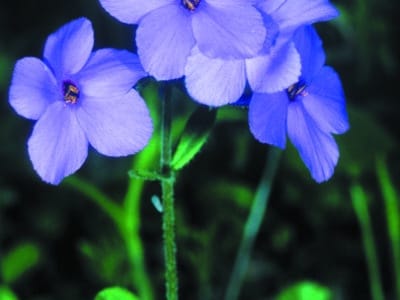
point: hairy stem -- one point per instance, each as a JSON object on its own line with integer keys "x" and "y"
{"x": 167, "y": 187}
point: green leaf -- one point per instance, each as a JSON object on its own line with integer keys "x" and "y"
{"x": 115, "y": 293}
{"x": 19, "y": 260}
{"x": 7, "y": 294}
{"x": 305, "y": 290}
{"x": 194, "y": 136}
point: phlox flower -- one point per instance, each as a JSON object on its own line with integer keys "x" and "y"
{"x": 79, "y": 97}
{"x": 169, "y": 29}
{"x": 309, "y": 111}
{"x": 220, "y": 81}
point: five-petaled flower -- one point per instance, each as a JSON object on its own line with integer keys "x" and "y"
{"x": 168, "y": 30}
{"x": 79, "y": 97}
{"x": 309, "y": 111}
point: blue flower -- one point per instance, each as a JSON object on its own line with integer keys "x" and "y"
{"x": 169, "y": 29}
{"x": 79, "y": 97}
{"x": 218, "y": 81}
{"x": 309, "y": 111}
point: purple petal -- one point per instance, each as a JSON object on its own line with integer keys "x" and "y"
{"x": 267, "y": 118}
{"x": 68, "y": 49}
{"x": 312, "y": 54}
{"x": 58, "y": 146}
{"x": 110, "y": 72}
{"x": 116, "y": 126}
{"x": 272, "y": 34}
{"x": 270, "y": 6}
{"x": 228, "y": 29}
{"x": 165, "y": 39}
{"x": 275, "y": 71}
{"x": 317, "y": 149}
{"x": 33, "y": 88}
{"x": 295, "y": 13}
{"x": 214, "y": 82}
{"x": 131, "y": 11}
{"x": 325, "y": 102}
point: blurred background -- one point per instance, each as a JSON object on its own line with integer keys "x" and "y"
{"x": 337, "y": 240}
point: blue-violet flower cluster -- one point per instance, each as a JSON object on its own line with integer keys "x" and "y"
{"x": 79, "y": 97}
{"x": 222, "y": 46}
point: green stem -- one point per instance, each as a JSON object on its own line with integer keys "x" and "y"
{"x": 360, "y": 204}
{"x": 253, "y": 224}
{"x": 131, "y": 230}
{"x": 167, "y": 187}
{"x": 392, "y": 217}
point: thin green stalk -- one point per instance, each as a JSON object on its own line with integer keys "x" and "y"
{"x": 131, "y": 230}
{"x": 392, "y": 217}
{"x": 167, "y": 187}
{"x": 360, "y": 204}
{"x": 253, "y": 224}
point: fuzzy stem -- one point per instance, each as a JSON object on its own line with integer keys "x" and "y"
{"x": 253, "y": 224}
{"x": 167, "y": 187}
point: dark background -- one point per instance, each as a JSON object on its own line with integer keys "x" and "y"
{"x": 310, "y": 231}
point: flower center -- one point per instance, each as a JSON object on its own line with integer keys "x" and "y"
{"x": 297, "y": 89}
{"x": 191, "y": 4}
{"x": 70, "y": 92}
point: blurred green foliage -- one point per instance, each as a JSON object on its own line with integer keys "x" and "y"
{"x": 115, "y": 293}
{"x": 7, "y": 294}
{"x": 19, "y": 259}
{"x": 310, "y": 241}
{"x": 305, "y": 291}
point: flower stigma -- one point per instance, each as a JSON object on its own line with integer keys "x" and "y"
{"x": 70, "y": 92}
{"x": 297, "y": 89}
{"x": 191, "y": 4}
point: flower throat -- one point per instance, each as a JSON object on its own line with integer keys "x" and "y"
{"x": 191, "y": 4}
{"x": 70, "y": 92}
{"x": 297, "y": 89}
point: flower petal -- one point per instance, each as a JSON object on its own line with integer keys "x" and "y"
{"x": 295, "y": 13}
{"x": 276, "y": 71}
{"x": 131, "y": 11}
{"x": 57, "y": 146}
{"x": 267, "y": 118}
{"x": 325, "y": 102}
{"x": 228, "y": 29}
{"x": 110, "y": 72}
{"x": 270, "y": 6}
{"x": 68, "y": 49}
{"x": 214, "y": 82}
{"x": 272, "y": 34}
{"x": 116, "y": 126}
{"x": 312, "y": 54}
{"x": 317, "y": 149}
{"x": 33, "y": 88}
{"x": 165, "y": 39}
